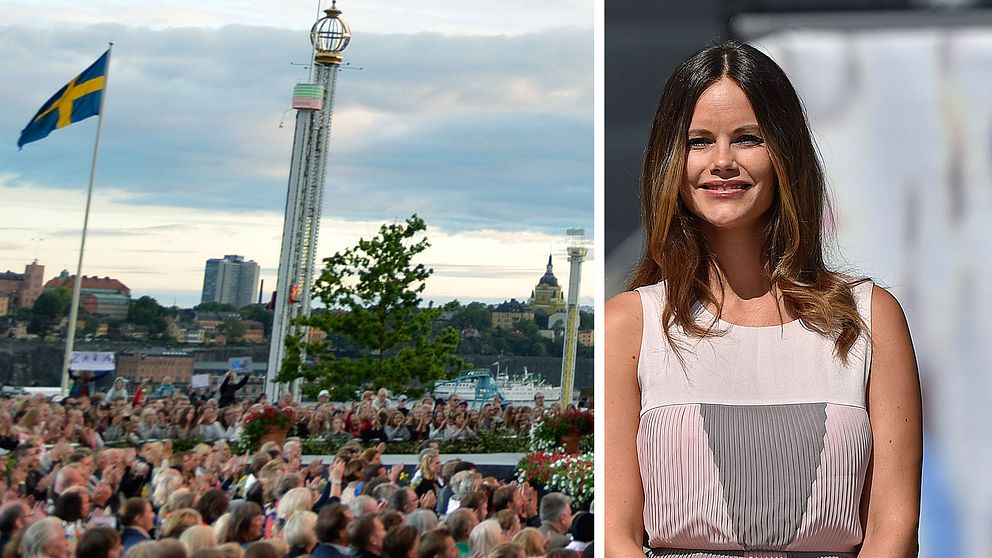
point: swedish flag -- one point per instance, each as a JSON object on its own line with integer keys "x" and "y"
{"x": 77, "y": 100}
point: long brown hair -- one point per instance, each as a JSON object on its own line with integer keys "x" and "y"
{"x": 675, "y": 249}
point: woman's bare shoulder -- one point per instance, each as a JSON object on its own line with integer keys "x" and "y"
{"x": 623, "y": 328}
{"x": 623, "y": 313}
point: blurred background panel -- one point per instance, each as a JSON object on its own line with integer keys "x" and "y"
{"x": 899, "y": 96}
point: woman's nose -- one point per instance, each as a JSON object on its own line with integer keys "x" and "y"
{"x": 724, "y": 160}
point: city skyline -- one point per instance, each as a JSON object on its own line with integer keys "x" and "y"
{"x": 496, "y": 159}
{"x": 51, "y": 273}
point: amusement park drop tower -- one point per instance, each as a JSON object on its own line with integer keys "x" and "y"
{"x": 314, "y": 102}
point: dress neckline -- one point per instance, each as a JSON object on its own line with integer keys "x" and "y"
{"x": 709, "y": 315}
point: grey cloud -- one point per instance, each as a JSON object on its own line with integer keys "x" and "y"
{"x": 509, "y": 272}
{"x": 192, "y": 121}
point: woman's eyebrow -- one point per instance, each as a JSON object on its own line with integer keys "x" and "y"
{"x": 751, "y": 128}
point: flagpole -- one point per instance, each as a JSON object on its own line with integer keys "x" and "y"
{"x": 77, "y": 285}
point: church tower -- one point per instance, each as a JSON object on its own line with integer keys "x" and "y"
{"x": 547, "y": 295}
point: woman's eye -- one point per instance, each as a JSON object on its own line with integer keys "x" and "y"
{"x": 750, "y": 139}
{"x": 697, "y": 143}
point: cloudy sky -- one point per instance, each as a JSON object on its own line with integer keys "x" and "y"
{"x": 476, "y": 115}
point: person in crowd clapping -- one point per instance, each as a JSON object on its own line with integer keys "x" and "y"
{"x": 396, "y": 430}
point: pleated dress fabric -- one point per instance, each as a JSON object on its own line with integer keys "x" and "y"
{"x": 758, "y": 447}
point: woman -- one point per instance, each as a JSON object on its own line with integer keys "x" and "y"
{"x": 230, "y": 422}
{"x": 299, "y": 533}
{"x": 510, "y": 418}
{"x": 374, "y": 430}
{"x": 396, "y": 430}
{"x": 532, "y": 541}
{"x": 458, "y": 428}
{"x": 229, "y": 389}
{"x": 165, "y": 389}
{"x": 484, "y": 537}
{"x": 197, "y": 537}
{"x": 99, "y": 542}
{"x": 438, "y": 426}
{"x": 208, "y": 428}
{"x": 418, "y": 424}
{"x": 756, "y": 366}
{"x": 430, "y": 471}
{"x": 245, "y": 524}
{"x": 118, "y": 390}
{"x": 178, "y": 522}
{"x": 299, "y": 499}
{"x": 185, "y": 422}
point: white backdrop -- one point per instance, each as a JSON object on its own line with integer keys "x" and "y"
{"x": 903, "y": 120}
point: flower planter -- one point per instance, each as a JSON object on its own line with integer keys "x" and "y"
{"x": 570, "y": 440}
{"x": 274, "y": 434}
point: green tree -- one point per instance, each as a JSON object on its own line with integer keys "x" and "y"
{"x": 541, "y": 318}
{"x": 215, "y": 307}
{"x": 47, "y": 307}
{"x": 587, "y": 320}
{"x": 146, "y": 311}
{"x": 233, "y": 327}
{"x": 259, "y": 313}
{"x": 92, "y": 323}
{"x": 474, "y": 315}
{"x": 52, "y": 304}
{"x": 372, "y": 292}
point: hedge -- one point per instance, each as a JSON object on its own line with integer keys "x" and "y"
{"x": 486, "y": 442}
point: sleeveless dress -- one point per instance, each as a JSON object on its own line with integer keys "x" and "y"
{"x": 758, "y": 447}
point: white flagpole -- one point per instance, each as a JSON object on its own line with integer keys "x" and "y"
{"x": 77, "y": 284}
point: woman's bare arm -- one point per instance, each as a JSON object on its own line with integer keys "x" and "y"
{"x": 891, "y": 505}
{"x": 624, "y": 493}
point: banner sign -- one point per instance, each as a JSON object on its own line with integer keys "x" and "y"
{"x": 241, "y": 365}
{"x": 91, "y": 360}
{"x": 199, "y": 380}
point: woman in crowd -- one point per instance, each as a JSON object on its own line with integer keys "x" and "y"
{"x": 299, "y": 534}
{"x": 197, "y": 537}
{"x": 118, "y": 390}
{"x": 396, "y": 429}
{"x": 100, "y": 542}
{"x": 532, "y": 541}
{"x": 485, "y": 537}
{"x": 208, "y": 428}
{"x": 458, "y": 429}
{"x": 338, "y": 433}
{"x": 430, "y": 471}
{"x": 418, "y": 423}
{"x": 245, "y": 524}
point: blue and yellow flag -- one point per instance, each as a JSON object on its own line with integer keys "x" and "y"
{"x": 77, "y": 100}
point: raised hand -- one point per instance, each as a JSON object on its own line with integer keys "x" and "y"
{"x": 394, "y": 472}
{"x": 428, "y": 500}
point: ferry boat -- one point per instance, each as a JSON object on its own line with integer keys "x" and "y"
{"x": 479, "y": 386}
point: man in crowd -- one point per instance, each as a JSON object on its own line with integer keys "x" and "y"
{"x": 556, "y": 519}
{"x": 332, "y": 532}
{"x": 14, "y": 516}
{"x": 437, "y": 543}
{"x": 138, "y": 520}
{"x": 366, "y": 534}
{"x": 460, "y": 523}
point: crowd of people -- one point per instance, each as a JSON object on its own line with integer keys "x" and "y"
{"x": 214, "y": 413}
{"x": 68, "y": 491}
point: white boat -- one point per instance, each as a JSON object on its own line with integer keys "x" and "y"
{"x": 523, "y": 389}
{"x": 478, "y": 387}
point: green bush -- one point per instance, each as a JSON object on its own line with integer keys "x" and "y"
{"x": 487, "y": 441}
